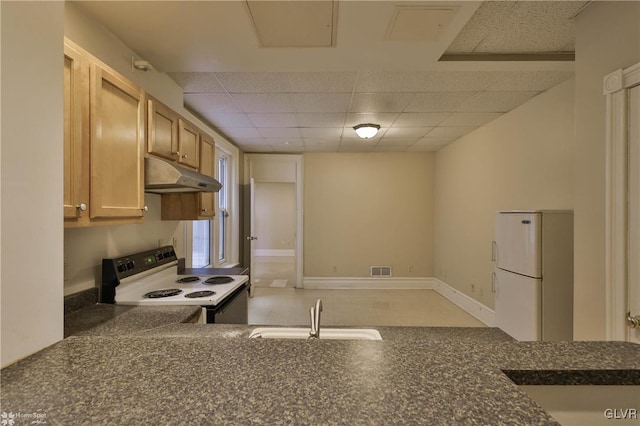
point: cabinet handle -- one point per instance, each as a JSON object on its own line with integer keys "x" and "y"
{"x": 145, "y": 209}
{"x": 184, "y": 156}
{"x": 493, "y": 282}
{"x": 175, "y": 154}
{"x": 494, "y": 251}
{"x": 81, "y": 207}
{"x": 204, "y": 210}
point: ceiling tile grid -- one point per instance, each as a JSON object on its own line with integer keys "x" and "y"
{"x": 268, "y": 109}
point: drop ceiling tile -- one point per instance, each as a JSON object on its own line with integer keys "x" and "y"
{"x": 319, "y": 119}
{"x": 267, "y": 103}
{"x": 321, "y": 132}
{"x": 321, "y": 143}
{"x": 274, "y": 120}
{"x": 227, "y": 119}
{"x": 254, "y": 82}
{"x": 322, "y": 82}
{"x": 533, "y": 81}
{"x": 321, "y": 102}
{"x": 210, "y": 103}
{"x": 280, "y": 132}
{"x": 242, "y": 132}
{"x": 374, "y": 82}
{"x": 406, "y": 132}
{"x": 437, "y": 101}
{"x": 384, "y": 119}
{"x": 284, "y": 141}
{"x": 495, "y": 101}
{"x": 489, "y": 16}
{"x": 550, "y": 21}
{"x": 380, "y": 102}
{"x": 416, "y": 119}
{"x": 457, "y": 81}
{"x": 397, "y": 142}
{"x": 197, "y": 82}
{"x": 474, "y": 119}
{"x": 449, "y": 132}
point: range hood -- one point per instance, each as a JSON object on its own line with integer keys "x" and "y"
{"x": 162, "y": 177}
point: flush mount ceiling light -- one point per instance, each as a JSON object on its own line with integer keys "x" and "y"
{"x": 366, "y": 131}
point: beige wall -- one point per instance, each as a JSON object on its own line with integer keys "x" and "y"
{"x": 367, "y": 209}
{"x": 521, "y": 161}
{"x": 607, "y": 38}
{"x": 275, "y": 215}
{"x": 31, "y": 177}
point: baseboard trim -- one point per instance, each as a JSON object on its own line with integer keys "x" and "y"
{"x": 472, "y": 306}
{"x": 366, "y": 283}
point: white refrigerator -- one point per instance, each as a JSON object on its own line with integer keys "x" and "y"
{"x": 533, "y": 277}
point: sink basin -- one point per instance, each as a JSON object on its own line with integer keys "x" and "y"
{"x": 325, "y": 333}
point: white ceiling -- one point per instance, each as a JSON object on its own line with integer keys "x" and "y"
{"x": 294, "y": 99}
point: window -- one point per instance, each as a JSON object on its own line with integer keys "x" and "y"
{"x": 222, "y": 217}
{"x": 214, "y": 243}
{"x": 201, "y": 244}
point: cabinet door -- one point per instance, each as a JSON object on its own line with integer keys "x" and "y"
{"x": 162, "y": 131}
{"x": 207, "y": 153}
{"x": 188, "y": 144}
{"x": 117, "y": 144}
{"x": 74, "y": 108}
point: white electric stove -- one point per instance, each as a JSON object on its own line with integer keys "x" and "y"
{"x": 151, "y": 279}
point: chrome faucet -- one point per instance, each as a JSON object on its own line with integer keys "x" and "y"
{"x": 315, "y": 320}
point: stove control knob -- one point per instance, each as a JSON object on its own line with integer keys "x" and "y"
{"x": 122, "y": 267}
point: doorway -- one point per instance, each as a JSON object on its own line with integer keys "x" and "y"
{"x": 275, "y": 224}
{"x": 622, "y": 92}
{"x": 275, "y": 220}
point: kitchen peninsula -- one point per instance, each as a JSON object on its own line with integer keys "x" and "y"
{"x": 146, "y": 365}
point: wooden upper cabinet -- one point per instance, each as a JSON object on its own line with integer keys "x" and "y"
{"x": 188, "y": 144}
{"x": 117, "y": 145}
{"x": 162, "y": 130}
{"x": 75, "y": 197}
{"x": 193, "y": 205}
{"x": 207, "y": 154}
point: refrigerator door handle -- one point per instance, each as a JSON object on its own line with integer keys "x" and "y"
{"x": 493, "y": 282}
{"x": 494, "y": 251}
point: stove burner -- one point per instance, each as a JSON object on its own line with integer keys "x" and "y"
{"x": 162, "y": 293}
{"x": 203, "y": 293}
{"x": 187, "y": 279}
{"x": 219, "y": 280}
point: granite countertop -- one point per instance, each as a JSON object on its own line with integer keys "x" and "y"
{"x": 168, "y": 372}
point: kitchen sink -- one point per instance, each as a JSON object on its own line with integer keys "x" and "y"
{"x": 325, "y": 333}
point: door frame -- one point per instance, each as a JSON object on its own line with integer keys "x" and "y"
{"x": 615, "y": 89}
{"x": 297, "y": 179}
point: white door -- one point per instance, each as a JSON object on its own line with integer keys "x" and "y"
{"x": 633, "y": 294}
{"x": 517, "y": 307}
{"x": 518, "y": 237}
{"x": 252, "y": 235}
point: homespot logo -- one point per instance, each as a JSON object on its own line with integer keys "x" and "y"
{"x": 621, "y": 414}
{"x": 9, "y": 419}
